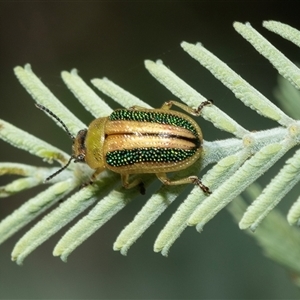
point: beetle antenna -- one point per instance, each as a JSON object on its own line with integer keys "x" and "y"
{"x": 49, "y": 112}
{"x": 60, "y": 170}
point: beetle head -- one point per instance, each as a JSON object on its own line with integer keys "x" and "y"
{"x": 78, "y": 147}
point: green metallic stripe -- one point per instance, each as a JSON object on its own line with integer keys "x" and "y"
{"x": 152, "y": 117}
{"x": 121, "y": 158}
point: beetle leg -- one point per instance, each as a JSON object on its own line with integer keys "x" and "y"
{"x": 195, "y": 180}
{"x": 137, "y": 181}
{"x": 192, "y": 179}
{"x": 95, "y": 174}
{"x": 196, "y": 112}
{"x": 93, "y": 178}
{"x": 86, "y": 184}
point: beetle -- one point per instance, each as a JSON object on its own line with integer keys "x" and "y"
{"x": 140, "y": 140}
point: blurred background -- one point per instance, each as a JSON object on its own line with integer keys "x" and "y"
{"x": 113, "y": 39}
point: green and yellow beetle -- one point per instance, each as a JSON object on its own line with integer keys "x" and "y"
{"x": 140, "y": 140}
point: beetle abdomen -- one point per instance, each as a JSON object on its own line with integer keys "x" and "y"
{"x": 150, "y": 141}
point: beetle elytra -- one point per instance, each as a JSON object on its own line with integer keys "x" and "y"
{"x": 140, "y": 140}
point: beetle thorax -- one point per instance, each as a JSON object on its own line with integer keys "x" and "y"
{"x": 93, "y": 143}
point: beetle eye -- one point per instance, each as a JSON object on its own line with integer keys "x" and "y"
{"x": 80, "y": 158}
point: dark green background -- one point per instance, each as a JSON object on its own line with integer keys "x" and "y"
{"x": 113, "y": 39}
